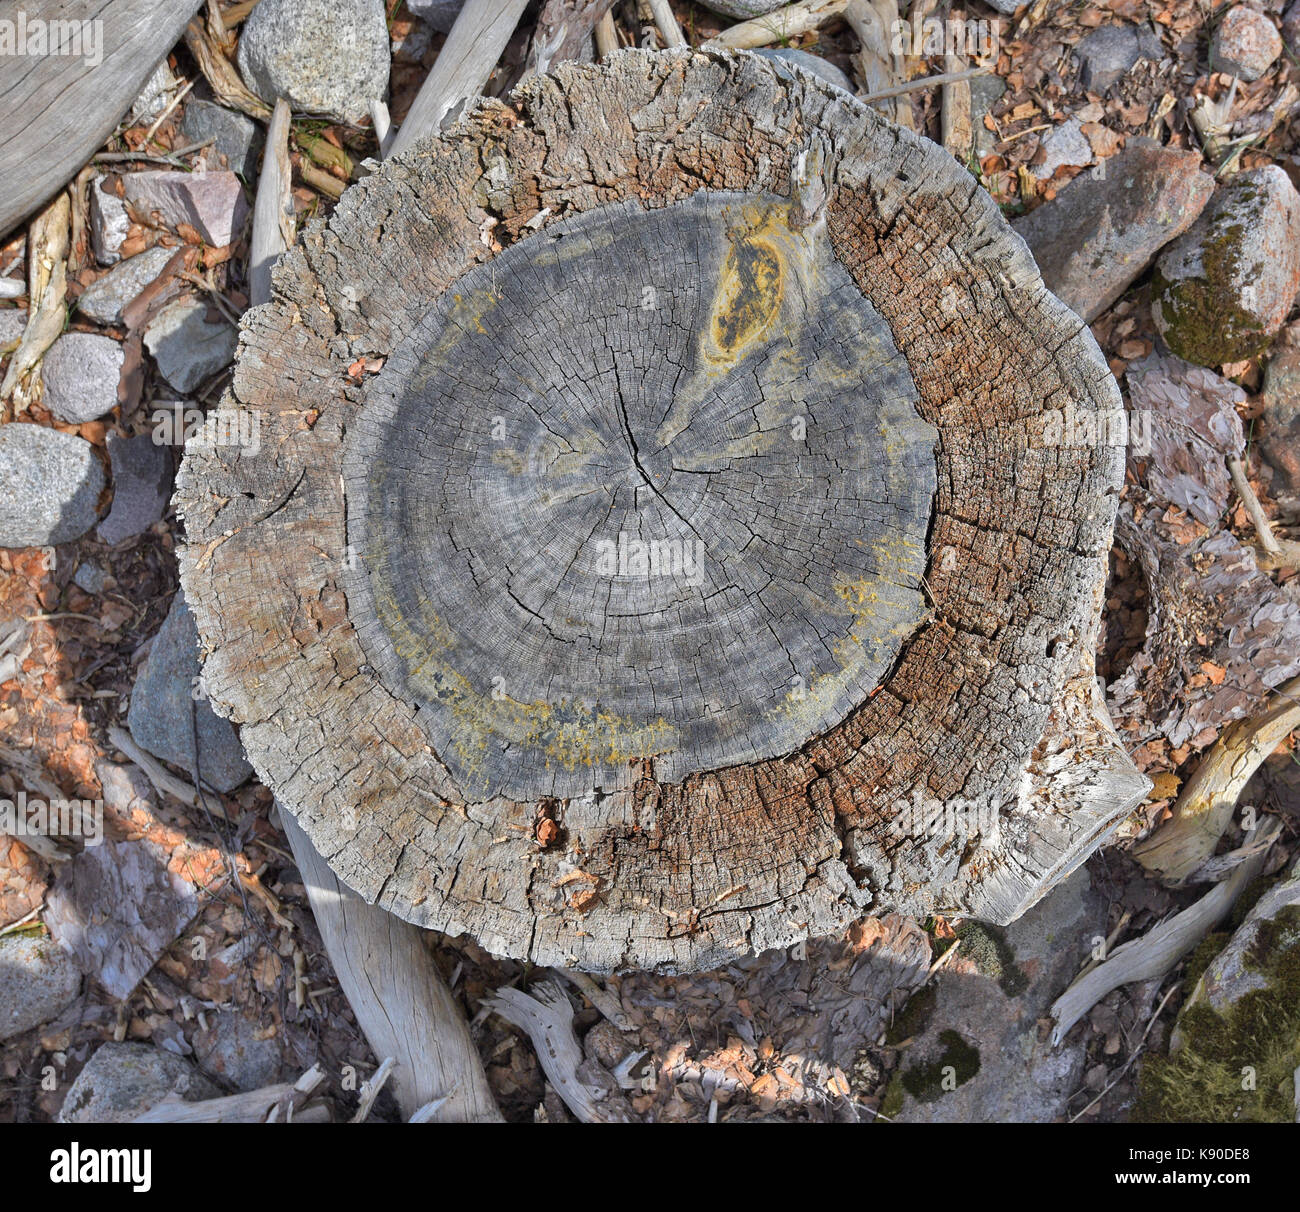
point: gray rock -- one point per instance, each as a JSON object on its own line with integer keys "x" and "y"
{"x": 49, "y": 486}
{"x": 237, "y": 136}
{"x": 744, "y": 10}
{"x": 1237, "y": 969}
{"x": 167, "y": 691}
{"x": 142, "y": 482}
{"x": 1245, "y": 43}
{"x": 985, "y": 93}
{"x": 188, "y": 347}
{"x": 104, "y": 301}
{"x": 109, "y": 223}
{"x": 123, "y": 1081}
{"x": 1008, "y": 7}
{"x": 982, "y": 1018}
{"x": 13, "y": 322}
{"x": 90, "y": 578}
{"x": 230, "y": 1050}
{"x": 1064, "y": 146}
{"x": 812, "y": 63}
{"x": 37, "y": 980}
{"x": 1105, "y": 227}
{"x": 116, "y": 908}
{"x": 1108, "y": 53}
{"x": 81, "y": 373}
{"x": 325, "y": 56}
{"x": 155, "y": 94}
{"x": 440, "y": 14}
{"x": 212, "y": 203}
{"x": 1224, "y": 288}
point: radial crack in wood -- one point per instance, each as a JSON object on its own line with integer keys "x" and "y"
{"x": 688, "y": 298}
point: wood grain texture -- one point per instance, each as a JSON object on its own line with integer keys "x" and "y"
{"x": 59, "y": 109}
{"x": 650, "y": 485}
{"x": 650, "y": 870}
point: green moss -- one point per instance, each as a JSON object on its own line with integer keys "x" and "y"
{"x": 986, "y": 947}
{"x": 925, "y": 1081}
{"x": 1203, "y": 320}
{"x": 911, "y": 1019}
{"x": 892, "y": 1103}
{"x": 1259, "y": 1034}
{"x": 1248, "y": 899}
{"x": 1201, "y": 958}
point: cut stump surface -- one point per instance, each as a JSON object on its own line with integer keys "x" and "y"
{"x": 652, "y": 550}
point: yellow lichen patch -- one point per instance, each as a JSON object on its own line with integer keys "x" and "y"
{"x": 749, "y": 295}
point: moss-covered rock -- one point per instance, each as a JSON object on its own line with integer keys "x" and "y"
{"x": 1236, "y": 1046}
{"x": 1222, "y": 290}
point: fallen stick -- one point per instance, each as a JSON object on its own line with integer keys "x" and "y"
{"x": 287, "y": 1099}
{"x": 1255, "y": 511}
{"x": 1156, "y": 952}
{"x": 879, "y": 68}
{"x": 562, "y": 31}
{"x": 606, "y": 35}
{"x": 370, "y": 1090}
{"x": 400, "y": 1000}
{"x": 47, "y": 287}
{"x": 926, "y": 82}
{"x": 463, "y": 67}
{"x": 547, "y": 1019}
{"x": 788, "y": 22}
{"x": 1205, "y": 806}
{"x": 163, "y": 780}
{"x": 272, "y": 209}
{"x": 667, "y": 24}
{"x": 956, "y": 132}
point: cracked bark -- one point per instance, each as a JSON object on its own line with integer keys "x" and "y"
{"x": 643, "y": 787}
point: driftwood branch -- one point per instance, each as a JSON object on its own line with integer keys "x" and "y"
{"x": 464, "y": 65}
{"x": 47, "y": 286}
{"x": 273, "y": 208}
{"x": 564, "y": 28}
{"x": 1156, "y": 952}
{"x": 547, "y": 1018}
{"x": 221, "y": 74}
{"x": 397, "y": 994}
{"x": 1204, "y": 807}
{"x": 286, "y": 1102}
{"x": 788, "y": 22}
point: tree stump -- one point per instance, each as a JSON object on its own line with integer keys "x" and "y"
{"x": 655, "y": 547}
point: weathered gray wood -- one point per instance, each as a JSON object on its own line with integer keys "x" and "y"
{"x": 58, "y": 109}
{"x": 466, "y": 61}
{"x": 273, "y": 208}
{"x": 401, "y": 1002}
{"x": 637, "y": 867}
